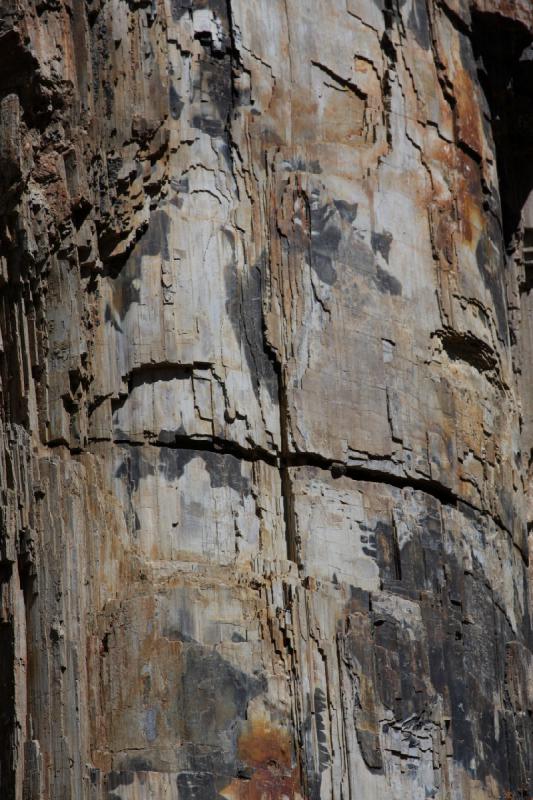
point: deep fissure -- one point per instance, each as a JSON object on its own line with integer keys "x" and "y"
{"x": 504, "y": 56}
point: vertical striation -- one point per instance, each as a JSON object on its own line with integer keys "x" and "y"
{"x": 266, "y": 413}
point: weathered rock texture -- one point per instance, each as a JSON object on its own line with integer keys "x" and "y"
{"x": 266, "y": 318}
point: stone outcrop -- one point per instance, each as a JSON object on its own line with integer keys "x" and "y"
{"x": 267, "y": 413}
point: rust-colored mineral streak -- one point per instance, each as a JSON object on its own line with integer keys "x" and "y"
{"x": 266, "y": 418}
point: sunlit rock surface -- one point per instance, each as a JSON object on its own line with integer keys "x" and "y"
{"x": 266, "y": 316}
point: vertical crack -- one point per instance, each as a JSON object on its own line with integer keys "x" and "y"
{"x": 287, "y": 493}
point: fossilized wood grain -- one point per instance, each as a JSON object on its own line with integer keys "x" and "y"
{"x": 266, "y": 415}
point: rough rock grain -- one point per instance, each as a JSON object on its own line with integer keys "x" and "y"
{"x": 267, "y": 420}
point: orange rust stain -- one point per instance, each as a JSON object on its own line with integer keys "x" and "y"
{"x": 263, "y": 785}
{"x": 456, "y": 209}
{"x": 468, "y": 119}
{"x": 469, "y": 200}
{"x": 266, "y": 750}
{"x": 263, "y": 744}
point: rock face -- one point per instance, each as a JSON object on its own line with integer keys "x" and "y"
{"x": 266, "y": 316}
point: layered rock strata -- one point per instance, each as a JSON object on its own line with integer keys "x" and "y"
{"x": 266, "y": 419}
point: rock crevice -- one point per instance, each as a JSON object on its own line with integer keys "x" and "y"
{"x": 265, "y": 400}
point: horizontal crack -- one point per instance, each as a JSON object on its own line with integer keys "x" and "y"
{"x": 356, "y": 472}
{"x": 443, "y": 494}
{"x": 211, "y": 445}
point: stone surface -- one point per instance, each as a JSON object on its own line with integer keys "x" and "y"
{"x": 266, "y": 424}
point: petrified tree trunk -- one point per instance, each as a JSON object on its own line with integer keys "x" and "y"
{"x": 267, "y": 416}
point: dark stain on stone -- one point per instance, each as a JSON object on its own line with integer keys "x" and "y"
{"x": 224, "y": 150}
{"x": 419, "y": 23}
{"x": 324, "y": 269}
{"x": 312, "y": 773}
{"x": 213, "y": 93}
{"x": 172, "y": 461}
{"x": 334, "y": 241}
{"x": 325, "y": 234}
{"x": 110, "y": 318}
{"x": 359, "y": 599}
{"x": 125, "y": 294}
{"x": 116, "y": 779}
{"x": 507, "y": 508}
{"x": 488, "y": 260}
{"x": 207, "y": 124}
{"x": 360, "y": 256}
{"x": 135, "y": 467}
{"x": 139, "y": 764}
{"x": 166, "y": 437}
{"x": 348, "y": 211}
{"x": 369, "y": 539}
{"x": 463, "y": 663}
{"x": 381, "y": 243}
{"x": 384, "y": 553}
{"x": 326, "y": 237}
{"x": 179, "y": 8}
{"x": 210, "y": 709}
{"x": 177, "y": 635}
{"x": 387, "y": 283}
{"x": 180, "y": 185}
{"x": 183, "y": 628}
{"x": 197, "y": 786}
{"x": 122, "y": 471}
{"x": 175, "y": 102}
{"x": 225, "y": 471}
{"x": 154, "y": 242}
{"x": 244, "y": 306}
